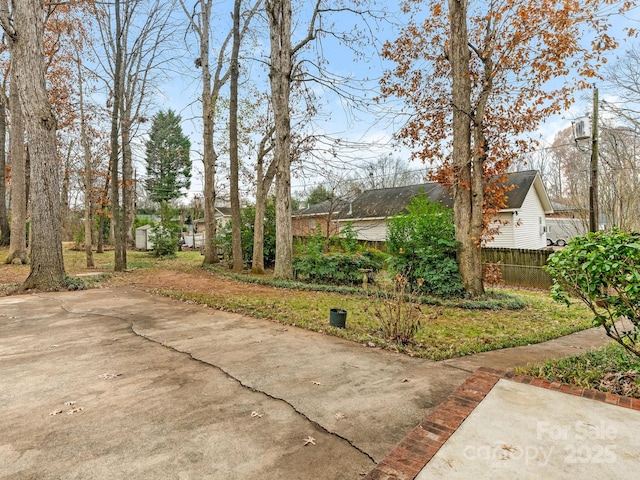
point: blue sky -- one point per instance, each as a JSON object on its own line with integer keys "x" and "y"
{"x": 372, "y": 131}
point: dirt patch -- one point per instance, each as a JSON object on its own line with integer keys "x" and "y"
{"x": 158, "y": 278}
{"x": 198, "y": 280}
{"x": 12, "y": 275}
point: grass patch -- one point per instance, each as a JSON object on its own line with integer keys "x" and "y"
{"x": 75, "y": 261}
{"x": 84, "y": 283}
{"x": 445, "y": 333}
{"x": 608, "y": 369}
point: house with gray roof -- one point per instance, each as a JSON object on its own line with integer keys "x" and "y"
{"x": 521, "y": 224}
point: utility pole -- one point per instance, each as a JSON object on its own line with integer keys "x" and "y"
{"x": 593, "y": 187}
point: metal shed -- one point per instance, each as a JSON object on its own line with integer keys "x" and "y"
{"x": 143, "y": 242}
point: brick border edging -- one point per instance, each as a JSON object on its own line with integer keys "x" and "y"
{"x": 410, "y": 456}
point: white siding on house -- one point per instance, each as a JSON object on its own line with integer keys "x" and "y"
{"x": 505, "y": 237}
{"x": 369, "y": 230}
{"x": 530, "y": 233}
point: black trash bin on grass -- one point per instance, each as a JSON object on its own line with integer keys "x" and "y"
{"x": 337, "y": 317}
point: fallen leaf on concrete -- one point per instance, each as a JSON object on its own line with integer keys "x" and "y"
{"x": 256, "y": 414}
{"x": 75, "y": 410}
{"x": 309, "y": 440}
{"x": 405, "y": 380}
{"x": 339, "y": 416}
{"x": 107, "y": 376}
{"x": 68, "y": 404}
{"x": 56, "y": 412}
{"x": 508, "y": 448}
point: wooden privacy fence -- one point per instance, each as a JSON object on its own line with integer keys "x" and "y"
{"x": 522, "y": 268}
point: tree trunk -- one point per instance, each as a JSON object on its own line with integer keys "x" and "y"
{"x": 100, "y": 238}
{"x": 279, "y": 13}
{"x": 257, "y": 260}
{"x": 116, "y": 214}
{"x": 236, "y": 233}
{"x": 18, "y": 242}
{"x": 209, "y": 156}
{"x": 88, "y": 173}
{"x": 66, "y": 192}
{"x": 466, "y": 196}
{"x": 128, "y": 185}
{"x": 127, "y": 179}
{"x": 47, "y": 265}
{"x": 5, "y": 232}
{"x": 263, "y": 182}
{"x": 104, "y": 202}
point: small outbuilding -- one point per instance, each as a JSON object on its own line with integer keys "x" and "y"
{"x": 143, "y": 240}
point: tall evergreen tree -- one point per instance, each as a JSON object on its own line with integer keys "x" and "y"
{"x": 168, "y": 162}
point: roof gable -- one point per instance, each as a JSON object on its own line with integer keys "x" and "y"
{"x": 522, "y": 182}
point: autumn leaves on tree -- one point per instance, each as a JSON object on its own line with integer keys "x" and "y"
{"x": 479, "y": 76}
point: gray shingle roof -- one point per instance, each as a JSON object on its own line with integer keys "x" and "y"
{"x": 321, "y": 208}
{"x": 386, "y": 202}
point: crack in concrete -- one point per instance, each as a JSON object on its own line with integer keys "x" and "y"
{"x": 249, "y": 387}
{"x": 64, "y": 307}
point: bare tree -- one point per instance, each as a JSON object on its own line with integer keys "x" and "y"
{"x": 200, "y": 22}
{"x": 388, "y": 171}
{"x": 290, "y": 66}
{"x": 117, "y": 217}
{"x": 136, "y": 37}
{"x": 619, "y": 176}
{"x": 26, "y": 36}
{"x": 623, "y": 78}
{"x": 88, "y": 169}
{"x": 280, "y": 73}
{"x": 264, "y": 178}
{"x": 234, "y": 161}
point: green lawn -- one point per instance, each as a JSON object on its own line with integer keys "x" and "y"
{"x": 445, "y": 332}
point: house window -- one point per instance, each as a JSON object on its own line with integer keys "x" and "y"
{"x": 312, "y": 223}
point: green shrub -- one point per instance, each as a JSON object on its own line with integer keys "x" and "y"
{"x": 165, "y": 239}
{"x": 422, "y": 245}
{"x": 247, "y": 223}
{"x": 337, "y": 268}
{"x": 78, "y": 236}
{"x": 166, "y": 234}
{"x": 602, "y": 269}
{"x": 610, "y": 369}
{"x": 348, "y": 240}
{"x": 339, "y": 260}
